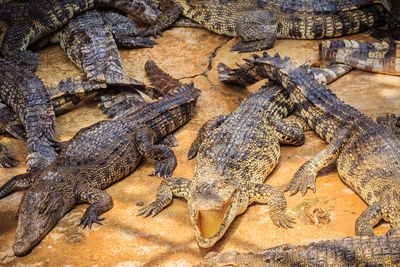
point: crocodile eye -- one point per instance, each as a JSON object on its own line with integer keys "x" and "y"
{"x": 43, "y": 208}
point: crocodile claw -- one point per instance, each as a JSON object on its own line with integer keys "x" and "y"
{"x": 151, "y": 31}
{"x": 152, "y": 209}
{"x": 282, "y": 220}
{"x": 6, "y": 160}
{"x": 165, "y": 168}
{"x": 302, "y": 180}
{"x": 89, "y": 218}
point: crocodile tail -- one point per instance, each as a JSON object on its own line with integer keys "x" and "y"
{"x": 375, "y": 57}
{"x": 161, "y": 80}
{"x": 245, "y": 75}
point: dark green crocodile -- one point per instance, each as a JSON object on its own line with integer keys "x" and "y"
{"x": 381, "y": 57}
{"x": 348, "y": 251}
{"x": 235, "y": 153}
{"x": 28, "y": 109}
{"x": 23, "y": 25}
{"x": 260, "y": 22}
{"x": 368, "y": 153}
{"x": 93, "y": 159}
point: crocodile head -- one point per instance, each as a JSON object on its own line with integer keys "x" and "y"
{"x": 213, "y": 205}
{"x": 41, "y": 207}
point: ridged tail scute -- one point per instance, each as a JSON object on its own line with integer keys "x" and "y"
{"x": 186, "y": 94}
{"x": 160, "y": 79}
{"x": 245, "y": 75}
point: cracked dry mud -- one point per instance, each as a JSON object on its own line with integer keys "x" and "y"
{"x": 191, "y": 54}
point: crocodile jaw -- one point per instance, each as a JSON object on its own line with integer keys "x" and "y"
{"x": 211, "y": 224}
{"x": 208, "y": 222}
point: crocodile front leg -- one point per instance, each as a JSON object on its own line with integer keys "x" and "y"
{"x": 306, "y": 175}
{"x": 257, "y": 30}
{"x": 275, "y": 201}
{"x": 204, "y": 131}
{"x": 166, "y": 161}
{"x": 99, "y": 201}
{"x": 168, "y": 188}
{"x": 289, "y": 132}
{"x": 19, "y": 181}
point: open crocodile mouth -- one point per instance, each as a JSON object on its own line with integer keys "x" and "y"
{"x": 210, "y": 222}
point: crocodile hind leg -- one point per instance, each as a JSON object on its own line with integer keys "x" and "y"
{"x": 368, "y": 218}
{"x": 125, "y": 31}
{"x": 166, "y": 160}
{"x": 207, "y": 128}
{"x": 390, "y": 122}
{"x": 274, "y": 199}
{"x": 99, "y": 201}
{"x": 168, "y": 188}
{"x": 20, "y": 56}
{"x": 6, "y": 160}
{"x": 11, "y": 123}
{"x": 19, "y": 181}
{"x": 170, "y": 12}
{"x": 257, "y": 30}
{"x": 306, "y": 175}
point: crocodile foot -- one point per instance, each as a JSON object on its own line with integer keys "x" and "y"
{"x": 165, "y": 168}
{"x": 253, "y": 46}
{"x": 6, "y": 160}
{"x": 36, "y": 161}
{"x": 89, "y": 218}
{"x": 281, "y": 219}
{"x": 151, "y": 209}
{"x": 302, "y": 180}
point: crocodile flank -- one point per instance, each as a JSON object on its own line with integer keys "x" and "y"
{"x": 367, "y": 152}
{"x": 93, "y": 159}
{"x": 260, "y": 23}
{"x": 382, "y": 57}
{"x": 234, "y": 154}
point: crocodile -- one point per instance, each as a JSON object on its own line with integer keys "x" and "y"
{"x": 28, "y": 109}
{"x": 23, "y": 25}
{"x": 367, "y": 152}
{"x": 93, "y": 159}
{"x": 235, "y": 153}
{"x": 260, "y": 22}
{"x": 381, "y": 57}
{"x": 348, "y": 251}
